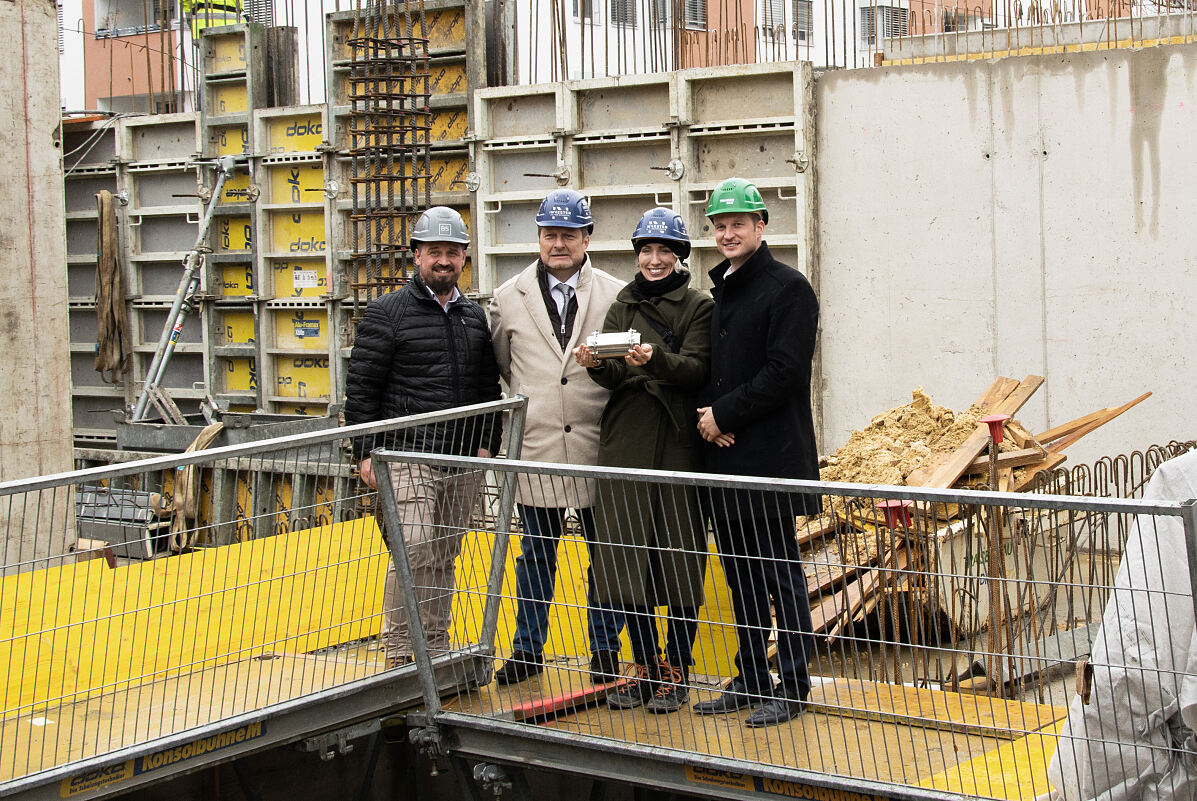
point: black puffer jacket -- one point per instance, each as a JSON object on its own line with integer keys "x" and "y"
{"x": 410, "y": 356}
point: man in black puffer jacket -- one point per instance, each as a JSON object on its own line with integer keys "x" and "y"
{"x": 426, "y": 348}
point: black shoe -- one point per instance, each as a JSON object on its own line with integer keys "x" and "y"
{"x": 520, "y": 666}
{"x": 671, "y": 692}
{"x": 733, "y": 699}
{"x": 774, "y": 711}
{"x": 636, "y": 689}
{"x": 604, "y": 667}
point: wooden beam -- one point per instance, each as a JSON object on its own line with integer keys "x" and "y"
{"x": 814, "y": 529}
{"x": 1106, "y": 416}
{"x": 1018, "y": 458}
{"x": 1052, "y": 461}
{"x": 1021, "y": 436}
{"x": 1060, "y": 431}
{"x": 997, "y": 392}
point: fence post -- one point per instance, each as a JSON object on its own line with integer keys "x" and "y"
{"x": 396, "y": 542}
{"x": 1188, "y": 515}
{"x": 498, "y": 557}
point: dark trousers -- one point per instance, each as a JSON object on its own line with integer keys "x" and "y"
{"x": 679, "y": 644}
{"x": 760, "y": 558}
{"x": 535, "y": 574}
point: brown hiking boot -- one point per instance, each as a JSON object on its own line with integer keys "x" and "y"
{"x": 636, "y": 689}
{"x": 672, "y": 690}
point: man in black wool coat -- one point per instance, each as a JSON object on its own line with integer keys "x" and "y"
{"x": 755, "y": 416}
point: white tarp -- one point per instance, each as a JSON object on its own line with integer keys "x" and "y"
{"x": 1135, "y": 740}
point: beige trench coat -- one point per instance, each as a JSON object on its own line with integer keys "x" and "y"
{"x": 564, "y": 405}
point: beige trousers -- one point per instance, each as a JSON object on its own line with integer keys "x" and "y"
{"x": 435, "y": 506}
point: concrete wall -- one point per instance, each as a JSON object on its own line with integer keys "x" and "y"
{"x": 1025, "y": 215}
{"x": 35, "y": 391}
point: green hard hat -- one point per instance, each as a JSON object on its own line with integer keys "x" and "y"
{"x": 737, "y": 194}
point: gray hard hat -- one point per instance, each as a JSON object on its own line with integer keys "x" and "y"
{"x": 440, "y": 224}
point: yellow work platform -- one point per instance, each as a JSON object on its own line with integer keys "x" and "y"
{"x": 968, "y": 744}
{"x": 70, "y": 732}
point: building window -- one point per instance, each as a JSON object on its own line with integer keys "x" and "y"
{"x": 804, "y": 20}
{"x": 623, "y": 12}
{"x": 584, "y": 9}
{"x": 127, "y": 17}
{"x": 889, "y": 20}
{"x": 696, "y": 14}
{"x": 659, "y": 12}
{"x": 955, "y": 20}
{"x": 773, "y": 17}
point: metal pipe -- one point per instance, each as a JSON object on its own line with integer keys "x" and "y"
{"x": 938, "y": 496}
{"x": 1188, "y": 516}
{"x": 397, "y": 544}
{"x": 187, "y": 286}
{"x": 498, "y": 559}
{"x": 211, "y": 455}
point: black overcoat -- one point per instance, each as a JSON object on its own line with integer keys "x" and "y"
{"x": 763, "y": 333}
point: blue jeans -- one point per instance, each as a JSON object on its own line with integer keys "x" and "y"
{"x": 535, "y": 573}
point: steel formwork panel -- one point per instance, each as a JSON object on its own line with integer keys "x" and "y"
{"x": 159, "y": 138}
{"x": 82, "y": 189}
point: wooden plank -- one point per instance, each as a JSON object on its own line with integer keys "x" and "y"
{"x": 856, "y": 595}
{"x": 1021, "y": 436}
{"x": 933, "y": 709}
{"x": 572, "y": 699}
{"x": 946, "y": 474}
{"x": 1104, "y": 417}
{"x": 1009, "y": 459}
{"x": 1053, "y": 461}
{"x": 813, "y": 530}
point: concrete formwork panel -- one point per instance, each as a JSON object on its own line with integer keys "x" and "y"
{"x": 625, "y": 105}
{"x": 1032, "y": 216}
{"x": 630, "y": 144}
{"x": 160, "y": 138}
{"x": 166, "y": 234}
{"x": 618, "y": 164}
{"x": 150, "y": 189}
{"x": 81, "y": 281}
{"x": 80, "y": 237}
{"x": 532, "y": 112}
{"x": 81, "y": 192}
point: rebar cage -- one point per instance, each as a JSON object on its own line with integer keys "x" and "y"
{"x": 186, "y": 605}
{"x": 943, "y": 639}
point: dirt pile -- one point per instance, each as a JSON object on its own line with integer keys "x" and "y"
{"x": 898, "y": 441}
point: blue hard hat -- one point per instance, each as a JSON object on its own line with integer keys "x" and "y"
{"x": 665, "y": 226}
{"x": 564, "y": 208}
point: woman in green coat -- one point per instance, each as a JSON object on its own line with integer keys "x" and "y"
{"x": 651, "y": 541}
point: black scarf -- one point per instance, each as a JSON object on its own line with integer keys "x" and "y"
{"x": 643, "y": 289}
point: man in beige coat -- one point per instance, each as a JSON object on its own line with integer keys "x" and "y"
{"x": 537, "y": 319}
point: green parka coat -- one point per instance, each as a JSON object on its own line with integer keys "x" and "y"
{"x": 651, "y": 538}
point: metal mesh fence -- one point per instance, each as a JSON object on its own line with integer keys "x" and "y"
{"x": 914, "y": 638}
{"x": 124, "y": 626}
